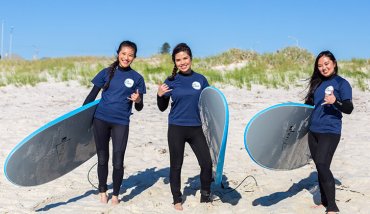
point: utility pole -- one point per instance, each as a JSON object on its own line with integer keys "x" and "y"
{"x": 10, "y": 41}
{"x": 36, "y": 53}
{"x": 2, "y": 39}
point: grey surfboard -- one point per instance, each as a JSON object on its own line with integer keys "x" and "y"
{"x": 214, "y": 114}
{"x": 53, "y": 150}
{"x": 276, "y": 137}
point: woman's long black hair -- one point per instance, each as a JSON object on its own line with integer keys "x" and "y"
{"x": 114, "y": 65}
{"x": 180, "y": 47}
{"x": 316, "y": 78}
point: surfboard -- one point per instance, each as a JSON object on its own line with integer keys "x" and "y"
{"x": 276, "y": 137}
{"x": 53, "y": 150}
{"x": 214, "y": 114}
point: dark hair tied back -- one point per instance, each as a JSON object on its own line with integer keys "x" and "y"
{"x": 114, "y": 65}
{"x": 182, "y": 47}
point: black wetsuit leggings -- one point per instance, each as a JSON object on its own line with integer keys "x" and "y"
{"x": 322, "y": 148}
{"x": 102, "y": 132}
{"x": 177, "y": 136}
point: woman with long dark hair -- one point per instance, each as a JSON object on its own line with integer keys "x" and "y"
{"x": 184, "y": 87}
{"x": 331, "y": 95}
{"x": 122, "y": 86}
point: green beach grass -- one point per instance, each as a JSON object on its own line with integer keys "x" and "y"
{"x": 241, "y": 68}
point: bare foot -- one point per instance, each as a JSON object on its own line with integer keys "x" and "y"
{"x": 103, "y": 197}
{"x": 317, "y": 206}
{"x": 178, "y": 206}
{"x": 115, "y": 200}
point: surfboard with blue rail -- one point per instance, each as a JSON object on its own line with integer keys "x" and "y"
{"x": 276, "y": 137}
{"x": 54, "y": 149}
{"x": 214, "y": 113}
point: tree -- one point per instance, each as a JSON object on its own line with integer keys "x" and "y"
{"x": 165, "y": 49}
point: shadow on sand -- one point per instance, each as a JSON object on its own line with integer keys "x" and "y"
{"x": 144, "y": 179}
{"x": 139, "y": 182}
{"x": 310, "y": 183}
{"x": 223, "y": 194}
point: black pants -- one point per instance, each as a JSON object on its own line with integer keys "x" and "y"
{"x": 177, "y": 136}
{"x": 322, "y": 148}
{"x": 102, "y": 133}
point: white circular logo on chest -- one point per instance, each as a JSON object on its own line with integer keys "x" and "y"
{"x": 129, "y": 83}
{"x": 196, "y": 85}
{"x": 329, "y": 90}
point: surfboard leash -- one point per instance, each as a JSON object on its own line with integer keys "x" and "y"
{"x": 234, "y": 189}
{"x": 222, "y": 184}
{"x": 88, "y": 176}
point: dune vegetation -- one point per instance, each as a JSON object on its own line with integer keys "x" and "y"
{"x": 289, "y": 67}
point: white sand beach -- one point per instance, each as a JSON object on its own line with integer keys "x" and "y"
{"x": 145, "y": 187}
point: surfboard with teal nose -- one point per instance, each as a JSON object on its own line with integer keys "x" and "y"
{"x": 276, "y": 137}
{"x": 53, "y": 150}
{"x": 214, "y": 114}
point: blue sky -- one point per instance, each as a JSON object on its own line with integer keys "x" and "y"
{"x": 76, "y": 27}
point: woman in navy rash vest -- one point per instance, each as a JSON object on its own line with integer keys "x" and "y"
{"x": 184, "y": 88}
{"x": 122, "y": 87}
{"x": 331, "y": 95}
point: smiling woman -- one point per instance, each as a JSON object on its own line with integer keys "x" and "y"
{"x": 332, "y": 96}
{"x": 184, "y": 88}
{"x": 122, "y": 87}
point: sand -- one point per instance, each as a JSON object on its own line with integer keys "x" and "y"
{"x": 145, "y": 187}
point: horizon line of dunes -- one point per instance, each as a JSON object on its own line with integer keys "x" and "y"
{"x": 285, "y": 68}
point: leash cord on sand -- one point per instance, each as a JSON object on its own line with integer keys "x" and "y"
{"x": 88, "y": 176}
{"x": 234, "y": 189}
{"x": 222, "y": 185}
